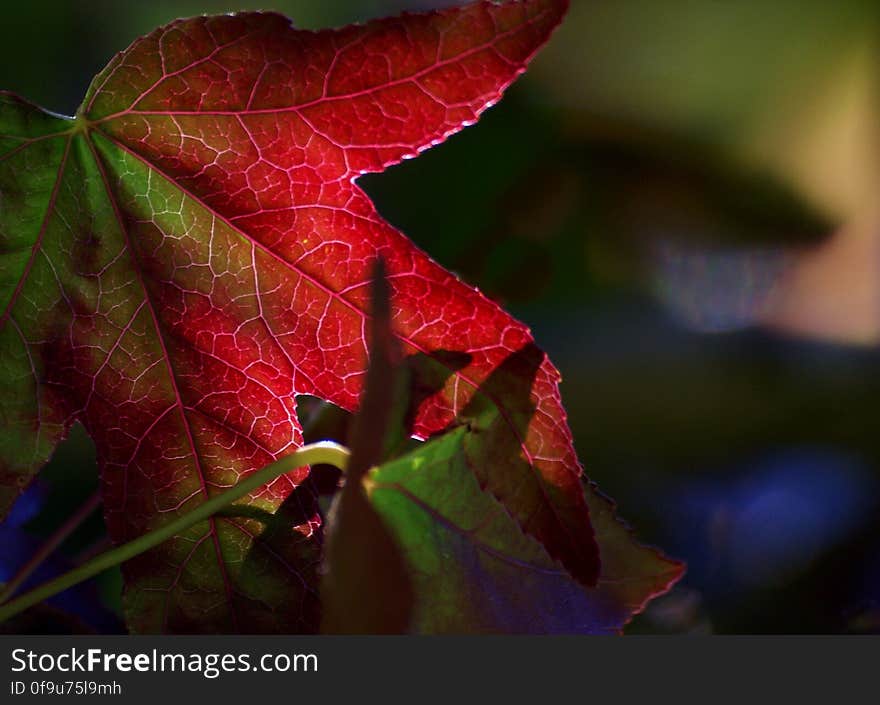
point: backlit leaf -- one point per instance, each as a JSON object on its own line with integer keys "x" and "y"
{"x": 190, "y": 253}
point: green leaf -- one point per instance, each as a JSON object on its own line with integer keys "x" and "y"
{"x": 474, "y": 570}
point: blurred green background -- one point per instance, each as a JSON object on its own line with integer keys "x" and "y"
{"x": 681, "y": 200}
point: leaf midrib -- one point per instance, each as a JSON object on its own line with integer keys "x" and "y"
{"x": 172, "y": 376}
{"x": 324, "y": 98}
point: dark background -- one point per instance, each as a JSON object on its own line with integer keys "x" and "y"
{"x": 680, "y": 199}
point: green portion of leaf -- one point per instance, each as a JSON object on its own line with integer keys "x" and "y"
{"x": 475, "y": 571}
{"x": 32, "y": 180}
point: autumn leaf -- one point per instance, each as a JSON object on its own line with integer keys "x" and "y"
{"x": 473, "y": 571}
{"x": 190, "y": 253}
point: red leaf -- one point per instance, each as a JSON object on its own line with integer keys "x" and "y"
{"x": 207, "y": 255}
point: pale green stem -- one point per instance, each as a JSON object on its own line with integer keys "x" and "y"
{"x": 323, "y": 453}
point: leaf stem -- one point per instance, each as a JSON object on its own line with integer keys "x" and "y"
{"x": 323, "y": 453}
{"x": 50, "y": 545}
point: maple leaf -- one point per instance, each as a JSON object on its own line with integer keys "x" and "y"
{"x": 191, "y": 253}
